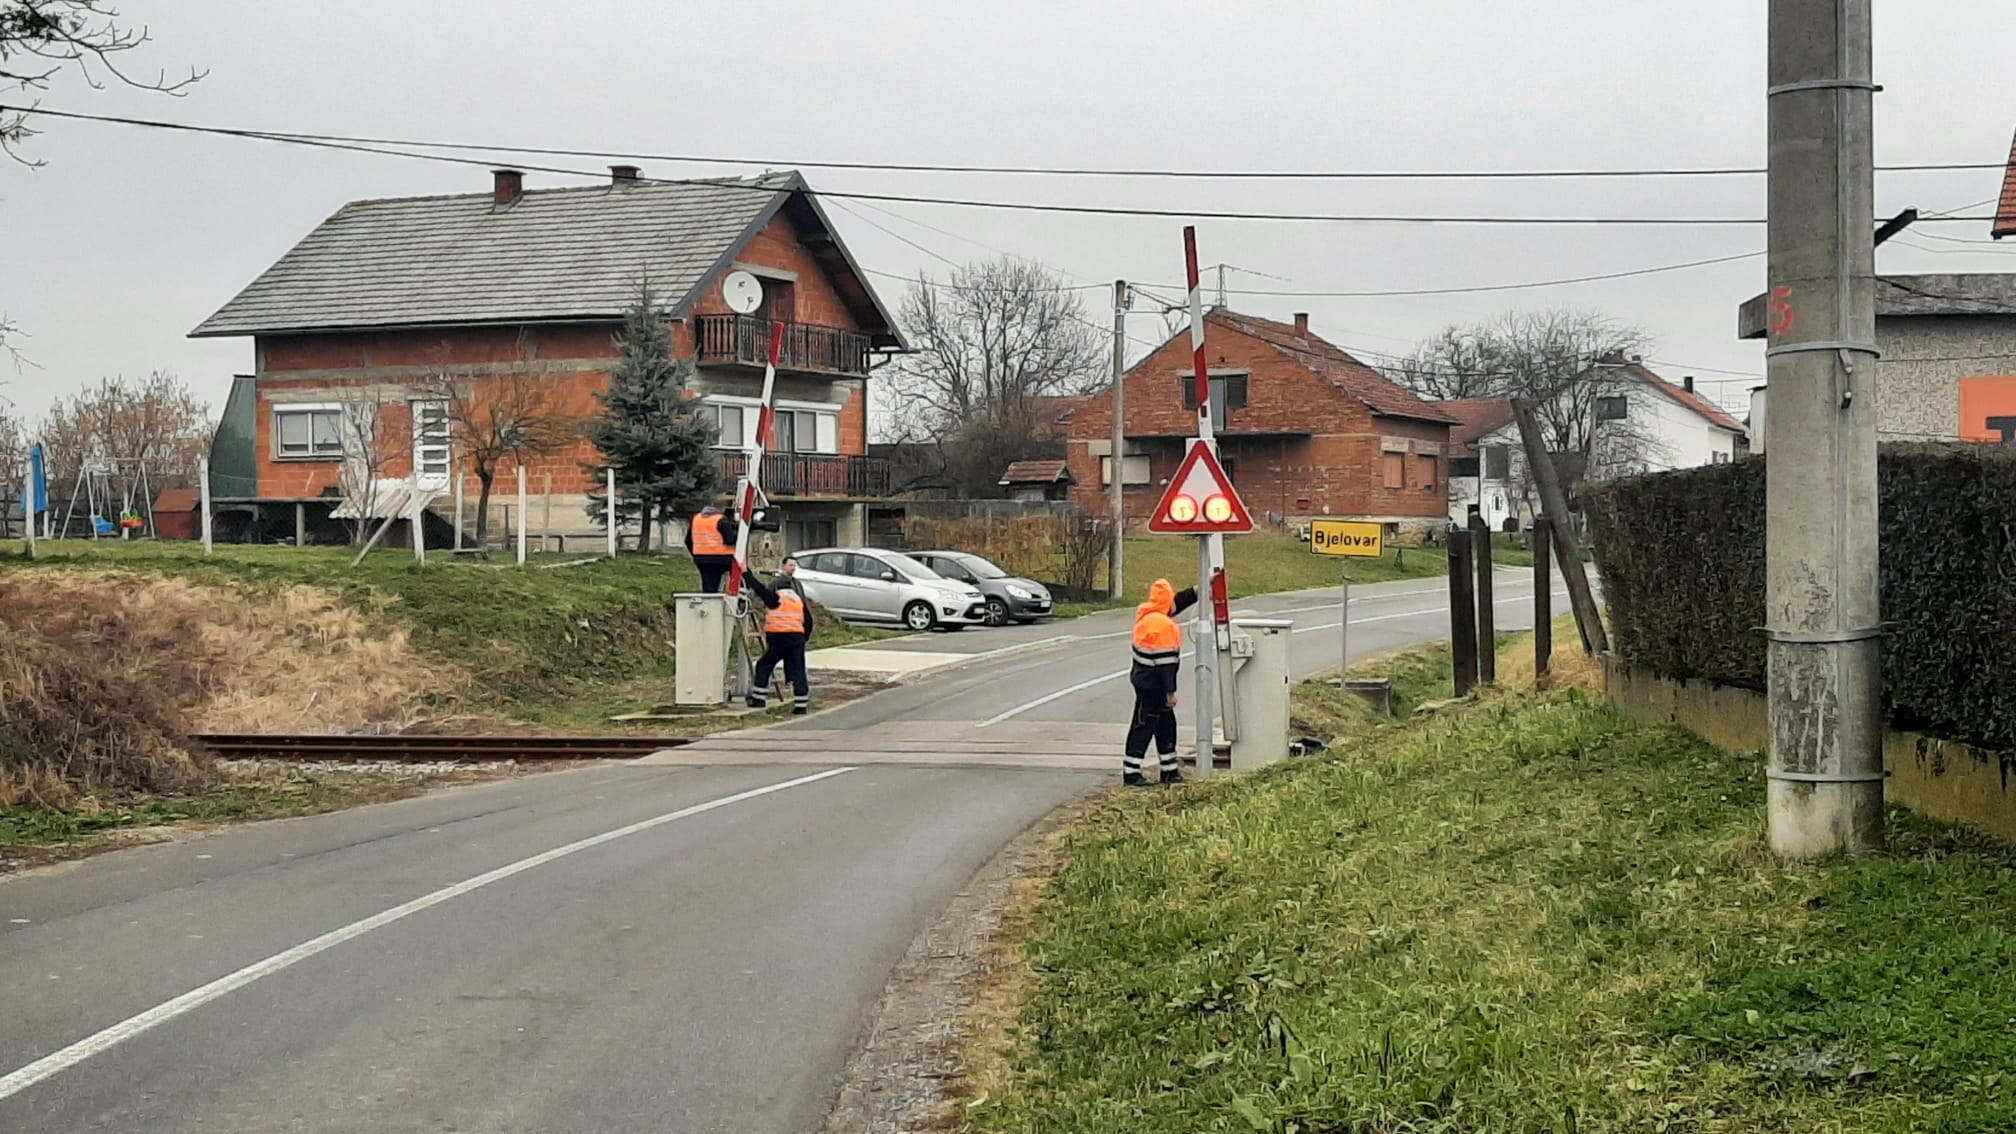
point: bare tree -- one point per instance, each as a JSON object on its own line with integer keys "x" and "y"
{"x": 991, "y": 343}
{"x": 156, "y": 422}
{"x": 1459, "y": 362}
{"x": 361, "y": 427}
{"x": 41, "y": 38}
{"x": 497, "y": 418}
{"x": 1579, "y": 369}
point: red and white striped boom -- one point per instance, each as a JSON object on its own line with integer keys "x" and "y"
{"x": 750, "y": 490}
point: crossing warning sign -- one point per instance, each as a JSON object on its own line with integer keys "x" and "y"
{"x": 1200, "y": 499}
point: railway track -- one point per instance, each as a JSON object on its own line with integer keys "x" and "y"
{"x": 433, "y": 749}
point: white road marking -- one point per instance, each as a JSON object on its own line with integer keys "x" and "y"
{"x": 1084, "y": 685}
{"x": 60, "y": 1061}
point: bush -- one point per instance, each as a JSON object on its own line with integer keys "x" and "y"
{"x": 1682, "y": 556}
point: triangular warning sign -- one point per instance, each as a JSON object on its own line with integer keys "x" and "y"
{"x": 1200, "y": 499}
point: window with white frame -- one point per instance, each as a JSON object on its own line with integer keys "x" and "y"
{"x": 307, "y": 432}
{"x": 801, "y": 427}
{"x": 431, "y": 452}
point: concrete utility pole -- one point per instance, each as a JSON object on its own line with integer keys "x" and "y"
{"x": 1821, "y": 605}
{"x": 1116, "y": 571}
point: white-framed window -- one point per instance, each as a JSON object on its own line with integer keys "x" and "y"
{"x": 730, "y": 430}
{"x": 431, "y": 454}
{"x": 801, "y": 427}
{"x": 307, "y": 432}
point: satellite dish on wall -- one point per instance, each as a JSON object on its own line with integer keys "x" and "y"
{"x": 742, "y": 291}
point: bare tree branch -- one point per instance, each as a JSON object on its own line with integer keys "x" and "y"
{"x": 505, "y": 418}
{"x": 992, "y": 346}
{"x": 40, "y": 39}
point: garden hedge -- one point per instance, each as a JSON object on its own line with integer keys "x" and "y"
{"x": 1682, "y": 557}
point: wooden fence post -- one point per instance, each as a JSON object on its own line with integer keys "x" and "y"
{"x": 1543, "y": 602}
{"x": 1487, "y": 621}
{"x": 1462, "y": 615}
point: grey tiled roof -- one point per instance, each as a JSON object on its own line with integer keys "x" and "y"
{"x": 555, "y": 254}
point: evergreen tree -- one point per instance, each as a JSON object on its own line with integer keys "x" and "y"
{"x": 649, "y": 430}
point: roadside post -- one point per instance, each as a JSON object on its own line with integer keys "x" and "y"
{"x": 202, "y": 501}
{"x": 1543, "y": 602}
{"x": 1347, "y": 540}
{"x": 611, "y": 515}
{"x": 1462, "y": 615}
{"x": 1487, "y": 613}
{"x": 27, "y": 509}
{"x": 523, "y": 514}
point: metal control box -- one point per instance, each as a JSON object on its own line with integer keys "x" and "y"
{"x": 1260, "y": 682}
{"x": 705, "y": 629}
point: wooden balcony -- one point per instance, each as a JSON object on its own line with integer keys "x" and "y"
{"x": 798, "y": 475}
{"x": 745, "y": 340}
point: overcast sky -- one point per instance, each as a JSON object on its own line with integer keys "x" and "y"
{"x": 125, "y": 239}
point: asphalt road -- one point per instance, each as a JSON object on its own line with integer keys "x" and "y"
{"x": 686, "y": 944}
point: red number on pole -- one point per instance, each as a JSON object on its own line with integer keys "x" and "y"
{"x": 1782, "y": 315}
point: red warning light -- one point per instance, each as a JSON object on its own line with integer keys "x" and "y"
{"x": 1183, "y": 510}
{"x": 1218, "y": 509}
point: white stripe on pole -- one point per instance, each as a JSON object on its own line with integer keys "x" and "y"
{"x": 203, "y": 500}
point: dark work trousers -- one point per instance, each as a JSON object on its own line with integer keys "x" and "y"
{"x": 1152, "y": 718}
{"x": 713, "y": 569}
{"x": 790, "y": 649}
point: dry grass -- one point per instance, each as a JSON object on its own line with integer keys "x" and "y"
{"x": 169, "y": 657}
{"x": 1569, "y": 668}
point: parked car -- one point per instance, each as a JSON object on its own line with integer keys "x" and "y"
{"x": 868, "y": 584}
{"x": 1010, "y": 598}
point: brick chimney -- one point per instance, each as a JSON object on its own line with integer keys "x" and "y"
{"x": 623, "y": 175}
{"x": 507, "y": 185}
{"x": 1302, "y": 323}
{"x": 1687, "y": 383}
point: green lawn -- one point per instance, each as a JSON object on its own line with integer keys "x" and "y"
{"x": 1524, "y": 915}
{"x": 1258, "y": 565}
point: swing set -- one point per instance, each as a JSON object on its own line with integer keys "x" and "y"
{"x": 105, "y": 482}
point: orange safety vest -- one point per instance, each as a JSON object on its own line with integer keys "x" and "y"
{"x": 707, "y": 536}
{"x": 788, "y": 617}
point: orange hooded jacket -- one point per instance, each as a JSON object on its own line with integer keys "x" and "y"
{"x": 1158, "y": 644}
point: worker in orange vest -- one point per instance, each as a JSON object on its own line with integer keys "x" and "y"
{"x": 711, "y": 540}
{"x": 1158, "y": 647}
{"x": 787, "y": 626}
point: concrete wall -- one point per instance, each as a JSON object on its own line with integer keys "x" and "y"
{"x": 1942, "y": 779}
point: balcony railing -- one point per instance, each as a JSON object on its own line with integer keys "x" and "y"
{"x": 745, "y": 339}
{"x": 799, "y": 475}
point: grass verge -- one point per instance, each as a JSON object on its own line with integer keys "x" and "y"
{"x": 1525, "y": 914}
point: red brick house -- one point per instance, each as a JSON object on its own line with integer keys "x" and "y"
{"x": 386, "y": 295}
{"x": 1307, "y": 430}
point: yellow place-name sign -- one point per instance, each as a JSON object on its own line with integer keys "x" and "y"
{"x": 1357, "y": 538}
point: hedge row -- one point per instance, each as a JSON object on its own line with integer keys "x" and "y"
{"x": 1682, "y": 556}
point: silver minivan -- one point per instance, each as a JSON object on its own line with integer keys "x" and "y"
{"x": 868, "y": 584}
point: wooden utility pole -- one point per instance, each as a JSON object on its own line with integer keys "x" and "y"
{"x": 1554, "y": 502}
{"x": 1462, "y": 614}
{"x": 1487, "y": 620}
{"x": 1116, "y": 572}
{"x": 1822, "y": 614}
{"x": 1543, "y": 603}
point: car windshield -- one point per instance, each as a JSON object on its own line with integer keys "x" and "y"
{"x": 983, "y": 568}
{"x": 906, "y": 565}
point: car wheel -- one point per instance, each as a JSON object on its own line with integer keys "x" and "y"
{"x": 997, "y": 612}
{"x": 919, "y": 616}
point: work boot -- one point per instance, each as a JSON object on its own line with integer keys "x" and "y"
{"x": 1172, "y": 776}
{"x": 754, "y": 703}
{"x": 800, "y": 710}
{"x": 1133, "y": 779}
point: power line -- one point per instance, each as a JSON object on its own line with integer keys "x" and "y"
{"x": 1018, "y": 170}
{"x": 340, "y": 142}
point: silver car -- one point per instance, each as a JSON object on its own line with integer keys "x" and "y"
{"x": 867, "y": 584}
